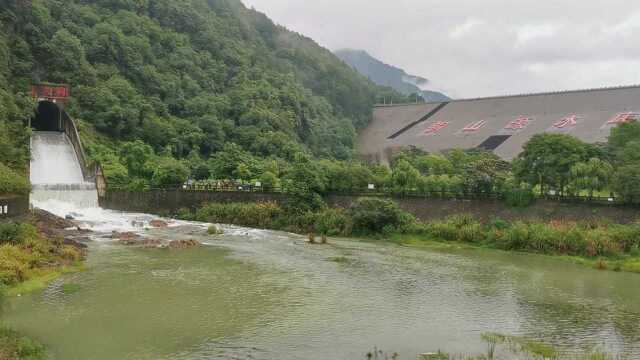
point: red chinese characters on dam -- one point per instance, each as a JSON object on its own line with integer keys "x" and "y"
{"x": 475, "y": 126}
{"x": 566, "y": 122}
{"x": 436, "y": 127}
{"x": 519, "y": 123}
{"x": 622, "y": 118}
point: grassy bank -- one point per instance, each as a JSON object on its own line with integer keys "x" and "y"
{"x": 14, "y": 346}
{"x": 30, "y": 258}
{"x": 504, "y": 347}
{"x": 599, "y": 244}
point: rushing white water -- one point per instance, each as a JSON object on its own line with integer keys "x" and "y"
{"x": 59, "y": 187}
{"x": 53, "y": 159}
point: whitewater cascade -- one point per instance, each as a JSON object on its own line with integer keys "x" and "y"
{"x": 56, "y": 175}
{"x": 58, "y": 187}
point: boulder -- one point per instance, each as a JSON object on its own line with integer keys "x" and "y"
{"x": 125, "y": 236}
{"x": 158, "y": 223}
{"x": 183, "y": 244}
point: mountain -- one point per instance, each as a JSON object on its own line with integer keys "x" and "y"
{"x": 388, "y": 75}
{"x": 182, "y": 80}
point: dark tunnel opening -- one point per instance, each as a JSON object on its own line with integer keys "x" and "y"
{"x": 48, "y": 117}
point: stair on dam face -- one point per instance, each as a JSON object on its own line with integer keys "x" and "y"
{"x": 421, "y": 120}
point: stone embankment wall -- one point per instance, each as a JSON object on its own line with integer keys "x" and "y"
{"x": 170, "y": 201}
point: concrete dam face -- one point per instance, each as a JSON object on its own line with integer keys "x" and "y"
{"x": 499, "y": 124}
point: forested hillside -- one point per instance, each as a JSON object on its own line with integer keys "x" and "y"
{"x": 177, "y": 82}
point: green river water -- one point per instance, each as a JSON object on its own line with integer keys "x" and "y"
{"x": 253, "y": 294}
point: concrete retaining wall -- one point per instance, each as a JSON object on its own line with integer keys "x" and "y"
{"x": 13, "y": 206}
{"x": 170, "y": 201}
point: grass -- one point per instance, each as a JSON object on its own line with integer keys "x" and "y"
{"x": 510, "y": 347}
{"x": 71, "y": 288}
{"x": 14, "y": 346}
{"x": 40, "y": 278}
{"x": 598, "y": 244}
{"x": 340, "y": 259}
{"x": 627, "y": 263}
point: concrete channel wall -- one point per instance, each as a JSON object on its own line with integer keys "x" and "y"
{"x": 170, "y": 201}
{"x": 13, "y": 206}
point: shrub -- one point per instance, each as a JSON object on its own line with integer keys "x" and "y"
{"x": 444, "y": 230}
{"x": 14, "y": 264}
{"x": 185, "y": 214}
{"x": 333, "y": 222}
{"x": 516, "y": 237}
{"x": 372, "y": 215}
{"x": 13, "y": 183}
{"x": 519, "y": 197}
{"x": 16, "y": 233}
{"x": 457, "y": 228}
{"x": 499, "y": 223}
{"x": 542, "y": 238}
{"x": 266, "y": 215}
{"x": 169, "y": 172}
{"x": 15, "y": 346}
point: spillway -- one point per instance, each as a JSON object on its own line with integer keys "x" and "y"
{"x": 56, "y": 176}
{"x": 58, "y": 187}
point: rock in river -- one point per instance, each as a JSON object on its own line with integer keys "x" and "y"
{"x": 158, "y": 223}
{"x": 183, "y": 244}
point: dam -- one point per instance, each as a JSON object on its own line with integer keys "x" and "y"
{"x": 499, "y": 124}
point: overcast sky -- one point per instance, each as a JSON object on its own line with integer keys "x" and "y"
{"x": 470, "y": 48}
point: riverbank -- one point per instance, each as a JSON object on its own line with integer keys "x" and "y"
{"x": 35, "y": 250}
{"x": 501, "y": 346}
{"x": 599, "y": 244}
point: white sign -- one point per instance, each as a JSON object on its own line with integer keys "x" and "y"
{"x": 258, "y": 184}
{"x": 372, "y": 187}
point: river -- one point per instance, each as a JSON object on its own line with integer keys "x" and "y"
{"x": 254, "y": 294}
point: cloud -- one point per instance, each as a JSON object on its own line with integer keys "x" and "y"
{"x": 464, "y": 28}
{"x": 472, "y": 48}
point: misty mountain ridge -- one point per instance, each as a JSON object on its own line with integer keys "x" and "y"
{"x": 389, "y": 75}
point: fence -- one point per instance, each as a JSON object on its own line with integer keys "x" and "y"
{"x": 384, "y": 192}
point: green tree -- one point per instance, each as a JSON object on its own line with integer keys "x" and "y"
{"x": 404, "y": 177}
{"x": 269, "y": 180}
{"x": 169, "y": 172}
{"x": 547, "y": 159}
{"x": 305, "y": 181}
{"x": 224, "y": 164}
{"x": 593, "y": 175}
{"x": 626, "y": 183}
{"x": 135, "y": 156}
{"x": 374, "y": 215}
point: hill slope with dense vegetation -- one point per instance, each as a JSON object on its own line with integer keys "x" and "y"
{"x": 182, "y": 80}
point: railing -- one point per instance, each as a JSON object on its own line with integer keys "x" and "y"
{"x": 91, "y": 171}
{"x": 384, "y": 192}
